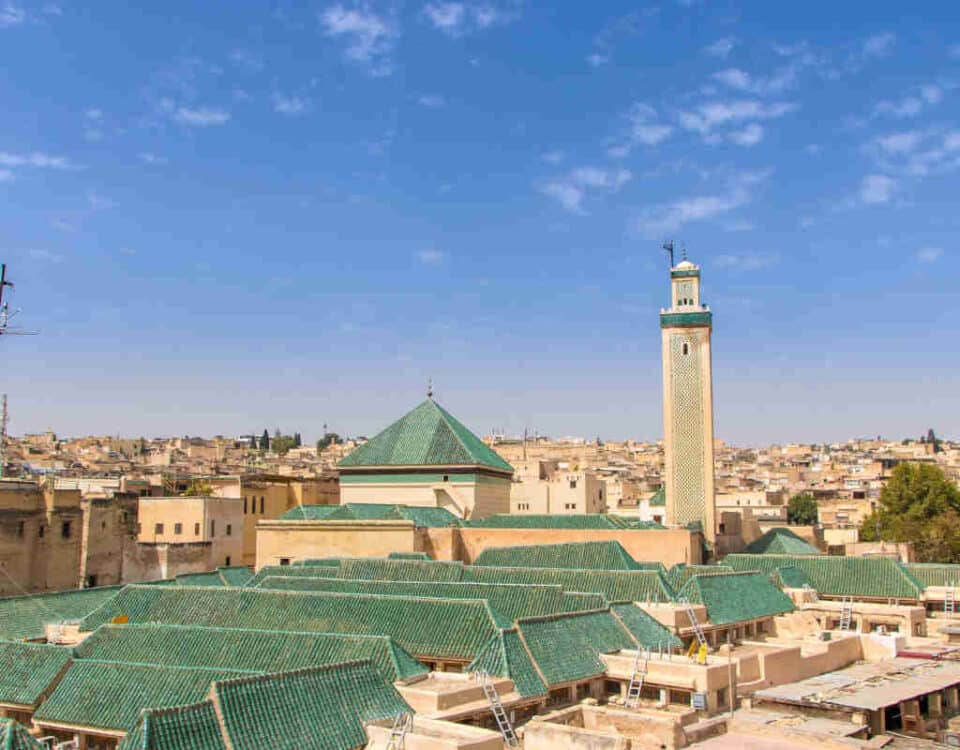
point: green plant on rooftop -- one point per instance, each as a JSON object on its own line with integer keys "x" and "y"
{"x": 198, "y": 488}
{"x": 802, "y": 509}
{"x": 918, "y": 504}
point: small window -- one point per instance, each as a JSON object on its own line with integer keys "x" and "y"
{"x": 261, "y": 505}
{"x": 178, "y": 528}
{"x": 20, "y": 528}
{"x": 226, "y": 560}
{"x": 65, "y": 530}
{"x": 686, "y": 349}
{"x": 244, "y": 505}
{"x": 196, "y": 529}
{"x": 284, "y": 560}
{"x": 446, "y": 477}
{"x": 158, "y": 529}
{"x": 213, "y": 528}
{"x": 573, "y": 484}
{"x": 229, "y": 529}
{"x": 103, "y": 526}
{"x": 91, "y": 582}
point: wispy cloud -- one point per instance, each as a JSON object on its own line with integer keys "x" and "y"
{"x": 900, "y": 143}
{"x": 11, "y": 15}
{"x": 432, "y": 101}
{"x": 553, "y": 157}
{"x": 150, "y": 158}
{"x": 645, "y": 128}
{"x": 572, "y": 189}
{"x": 43, "y": 255}
{"x": 36, "y": 159}
{"x": 710, "y": 116}
{"x": 929, "y": 254}
{"x": 369, "y": 38}
{"x": 615, "y": 32}
{"x": 912, "y": 104}
{"x": 721, "y": 48}
{"x": 878, "y": 45}
{"x": 658, "y": 220}
{"x": 917, "y": 153}
{"x": 201, "y": 117}
{"x": 6, "y": 175}
{"x": 247, "y": 60}
{"x": 289, "y": 104}
{"x": 751, "y": 135}
{"x": 99, "y": 202}
{"x": 746, "y": 261}
{"x": 431, "y": 256}
{"x": 877, "y": 188}
{"x": 458, "y": 19}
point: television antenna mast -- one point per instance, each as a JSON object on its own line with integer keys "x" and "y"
{"x": 5, "y": 312}
{"x": 668, "y": 246}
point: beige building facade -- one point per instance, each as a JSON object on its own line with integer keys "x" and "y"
{"x": 212, "y": 527}
{"x": 555, "y": 488}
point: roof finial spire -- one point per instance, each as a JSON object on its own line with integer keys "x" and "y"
{"x": 684, "y": 252}
{"x": 430, "y": 388}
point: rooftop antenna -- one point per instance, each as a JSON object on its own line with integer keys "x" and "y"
{"x": 5, "y": 312}
{"x": 668, "y": 246}
{"x": 430, "y": 388}
{"x": 684, "y": 252}
{"x": 3, "y": 432}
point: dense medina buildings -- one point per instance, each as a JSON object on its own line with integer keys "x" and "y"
{"x": 427, "y": 589}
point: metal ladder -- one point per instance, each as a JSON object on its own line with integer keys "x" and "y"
{"x": 636, "y": 681}
{"x": 402, "y": 724}
{"x": 499, "y": 713}
{"x": 949, "y": 603}
{"x": 697, "y": 628}
{"x": 846, "y": 612}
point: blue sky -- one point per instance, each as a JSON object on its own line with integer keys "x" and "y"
{"x": 230, "y": 216}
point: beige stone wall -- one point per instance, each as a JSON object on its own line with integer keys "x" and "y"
{"x": 568, "y": 493}
{"x": 217, "y": 521}
{"x": 465, "y": 499}
{"x": 302, "y": 540}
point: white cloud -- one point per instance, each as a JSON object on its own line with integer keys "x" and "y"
{"x": 878, "y": 45}
{"x": 11, "y": 15}
{"x": 6, "y": 175}
{"x": 900, "y": 143}
{"x": 877, "y": 188}
{"x": 745, "y": 261}
{"x": 571, "y": 190}
{"x": 657, "y": 220}
{"x": 430, "y": 257}
{"x": 99, "y": 202}
{"x": 645, "y": 128}
{"x": 246, "y": 59}
{"x": 553, "y": 157}
{"x": 36, "y": 159}
{"x": 369, "y": 37}
{"x": 289, "y": 105}
{"x": 595, "y": 59}
{"x": 734, "y": 78}
{"x": 432, "y": 101}
{"x": 929, "y": 254}
{"x": 913, "y": 104}
{"x": 458, "y": 19}
{"x": 711, "y": 115}
{"x": 751, "y": 135}
{"x": 93, "y": 114}
{"x": 721, "y": 48}
{"x": 149, "y": 158}
{"x": 201, "y": 117}
{"x": 954, "y": 51}
{"x": 44, "y": 256}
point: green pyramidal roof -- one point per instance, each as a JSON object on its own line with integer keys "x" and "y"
{"x": 427, "y": 436}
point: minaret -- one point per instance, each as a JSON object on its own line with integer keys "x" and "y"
{"x": 688, "y": 403}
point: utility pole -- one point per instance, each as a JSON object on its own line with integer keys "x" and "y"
{"x": 3, "y": 432}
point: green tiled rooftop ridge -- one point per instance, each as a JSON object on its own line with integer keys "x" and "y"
{"x": 506, "y": 656}
{"x": 245, "y": 650}
{"x": 111, "y": 695}
{"x": 934, "y": 574}
{"x": 680, "y": 573}
{"x": 615, "y": 585}
{"x": 439, "y": 628}
{"x": 578, "y": 601}
{"x": 422, "y": 517}
{"x": 193, "y": 727}
{"x": 291, "y": 571}
{"x": 584, "y": 521}
{"x": 780, "y": 541}
{"x": 382, "y": 569}
{"x": 605, "y": 555}
{"x": 568, "y": 647}
{"x": 868, "y": 577}
{"x": 235, "y": 575}
{"x": 200, "y": 579}
{"x": 790, "y": 577}
{"x": 736, "y": 597}
{"x": 409, "y": 556}
{"x": 14, "y": 736}
{"x": 27, "y": 670}
{"x": 24, "y": 617}
{"x": 330, "y": 705}
{"x": 647, "y": 631}
{"x": 426, "y": 436}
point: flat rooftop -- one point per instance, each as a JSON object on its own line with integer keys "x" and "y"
{"x": 868, "y": 686}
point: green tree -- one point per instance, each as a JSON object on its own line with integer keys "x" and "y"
{"x": 265, "y": 440}
{"x": 297, "y": 440}
{"x": 282, "y": 443}
{"x": 919, "y": 504}
{"x": 329, "y": 438}
{"x": 802, "y": 509}
{"x": 198, "y": 488}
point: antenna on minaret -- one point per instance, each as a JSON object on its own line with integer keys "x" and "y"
{"x": 684, "y": 252}
{"x": 430, "y": 388}
{"x": 668, "y": 246}
{"x": 5, "y": 312}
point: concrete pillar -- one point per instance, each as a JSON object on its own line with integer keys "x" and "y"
{"x": 952, "y": 698}
{"x": 935, "y": 703}
{"x": 664, "y": 696}
{"x": 573, "y": 693}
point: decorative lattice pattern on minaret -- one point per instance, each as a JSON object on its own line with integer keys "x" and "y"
{"x": 688, "y": 416}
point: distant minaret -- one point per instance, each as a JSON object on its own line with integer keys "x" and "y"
{"x": 688, "y": 402}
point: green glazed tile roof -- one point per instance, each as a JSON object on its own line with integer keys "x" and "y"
{"x": 647, "y": 631}
{"x": 735, "y": 597}
{"x": 868, "y": 577}
{"x": 631, "y": 522}
{"x": 110, "y": 695}
{"x": 27, "y": 670}
{"x": 291, "y": 571}
{"x": 382, "y": 569}
{"x": 193, "y": 727}
{"x": 24, "y": 617}
{"x": 426, "y": 436}
{"x": 616, "y": 585}
{"x": 680, "y": 573}
{"x": 790, "y": 577}
{"x": 508, "y": 601}
{"x": 659, "y": 497}
{"x": 422, "y": 517}
{"x": 14, "y": 736}
{"x": 780, "y": 541}
{"x": 577, "y": 601}
{"x": 584, "y": 555}
{"x": 934, "y": 574}
{"x": 409, "y": 556}
{"x": 581, "y": 521}
{"x": 568, "y": 647}
{"x": 454, "y": 628}
{"x": 505, "y": 656}
{"x": 324, "y": 708}
{"x": 320, "y": 562}
{"x": 236, "y": 575}
{"x": 200, "y": 579}
{"x": 246, "y": 650}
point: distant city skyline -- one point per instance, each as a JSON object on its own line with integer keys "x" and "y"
{"x": 222, "y": 223}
